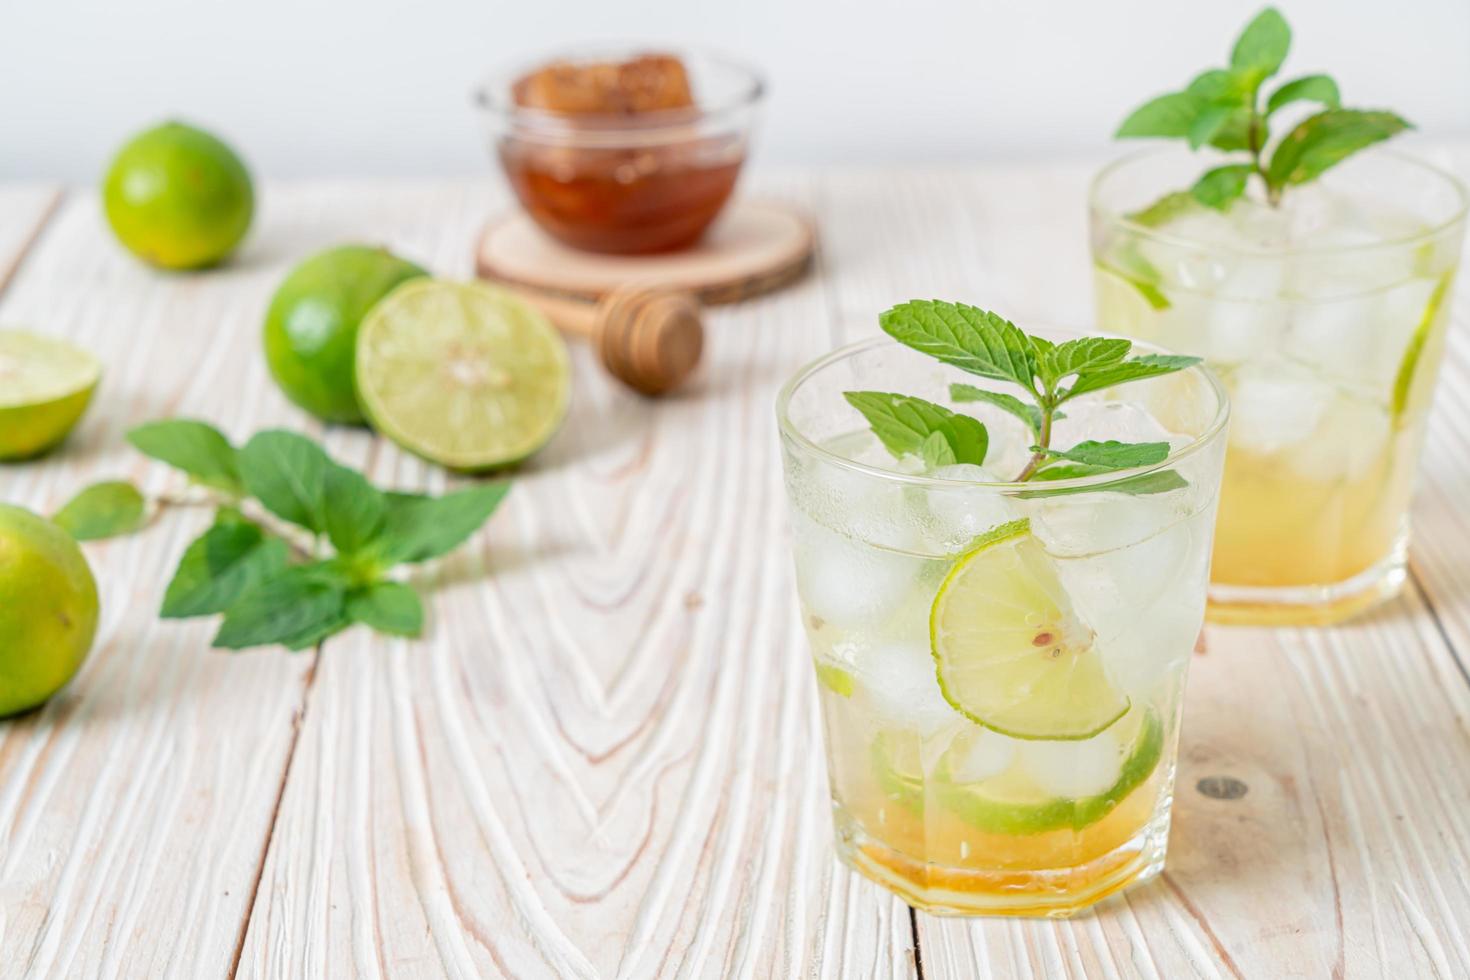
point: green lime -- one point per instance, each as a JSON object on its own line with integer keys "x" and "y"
{"x": 178, "y": 197}
{"x": 898, "y": 772}
{"x": 311, "y": 325}
{"x": 1011, "y": 653}
{"x": 1403, "y": 384}
{"x": 45, "y": 386}
{"x": 1012, "y": 803}
{"x": 48, "y": 609}
{"x": 836, "y": 679}
{"x": 463, "y": 374}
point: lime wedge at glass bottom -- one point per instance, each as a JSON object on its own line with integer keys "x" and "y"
{"x": 463, "y": 374}
{"x": 45, "y": 385}
{"x": 1013, "y": 804}
{"x": 897, "y": 771}
{"x": 1011, "y": 653}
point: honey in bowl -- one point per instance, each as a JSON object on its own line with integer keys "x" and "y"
{"x": 617, "y": 156}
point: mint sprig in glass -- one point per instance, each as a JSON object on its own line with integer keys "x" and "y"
{"x": 1271, "y": 232}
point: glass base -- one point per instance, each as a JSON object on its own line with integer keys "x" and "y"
{"x": 1311, "y": 605}
{"x": 1052, "y": 893}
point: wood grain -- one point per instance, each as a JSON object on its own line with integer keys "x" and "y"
{"x": 24, "y": 211}
{"x": 604, "y": 759}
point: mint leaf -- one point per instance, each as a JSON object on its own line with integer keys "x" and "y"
{"x": 1309, "y": 88}
{"x": 1218, "y": 86}
{"x": 388, "y": 607}
{"x": 197, "y": 448}
{"x": 1219, "y": 188}
{"x": 902, "y": 423}
{"x": 971, "y": 339}
{"x": 1083, "y": 354}
{"x": 296, "y": 608}
{"x": 287, "y": 473}
{"x": 1326, "y": 139}
{"x": 1029, "y": 414}
{"x": 1235, "y": 132}
{"x": 102, "y": 510}
{"x": 232, "y": 556}
{"x": 1209, "y": 122}
{"x": 1111, "y": 455}
{"x": 1168, "y": 208}
{"x": 417, "y": 527}
{"x": 1262, "y": 45}
{"x": 354, "y": 509}
{"x": 936, "y": 452}
{"x": 1138, "y": 368}
{"x": 1168, "y": 115}
{"x": 1160, "y": 481}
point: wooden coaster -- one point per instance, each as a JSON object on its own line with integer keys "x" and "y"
{"x": 756, "y": 247}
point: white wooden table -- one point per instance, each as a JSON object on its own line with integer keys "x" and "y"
{"x": 604, "y": 760}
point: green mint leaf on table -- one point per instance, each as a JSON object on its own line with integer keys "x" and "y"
{"x": 1325, "y": 140}
{"x": 1222, "y": 108}
{"x": 296, "y": 608}
{"x": 903, "y": 423}
{"x": 1310, "y": 88}
{"x": 971, "y": 339}
{"x": 1263, "y": 45}
{"x": 1219, "y": 187}
{"x": 354, "y": 509}
{"x": 197, "y": 448}
{"x": 388, "y": 607}
{"x": 417, "y": 527}
{"x": 287, "y": 473}
{"x": 1111, "y": 455}
{"x": 1135, "y": 369}
{"x": 1029, "y": 414}
{"x": 103, "y": 510}
{"x": 224, "y": 562}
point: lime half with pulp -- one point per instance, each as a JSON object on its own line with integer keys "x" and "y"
{"x": 1011, "y": 654}
{"x": 45, "y": 385}
{"x": 463, "y": 374}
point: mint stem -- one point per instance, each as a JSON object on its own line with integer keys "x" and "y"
{"x": 1047, "y": 403}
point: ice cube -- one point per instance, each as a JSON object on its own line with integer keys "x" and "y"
{"x": 978, "y": 753}
{"x": 1275, "y": 403}
{"x": 1350, "y": 441}
{"x": 1248, "y": 314}
{"x": 901, "y": 686}
{"x": 959, "y": 514}
{"x": 1339, "y": 338}
{"x": 845, "y": 582}
{"x": 1072, "y": 770}
{"x": 862, "y": 505}
{"x": 1110, "y": 590}
{"x": 1101, "y": 419}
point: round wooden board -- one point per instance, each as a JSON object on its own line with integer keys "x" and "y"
{"x": 756, "y": 247}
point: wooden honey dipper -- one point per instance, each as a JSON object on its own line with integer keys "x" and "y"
{"x": 648, "y": 338}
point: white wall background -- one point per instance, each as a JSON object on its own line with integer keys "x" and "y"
{"x": 359, "y": 87}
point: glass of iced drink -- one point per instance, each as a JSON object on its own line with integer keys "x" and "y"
{"x": 1000, "y": 664}
{"x": 1325, "y": 316}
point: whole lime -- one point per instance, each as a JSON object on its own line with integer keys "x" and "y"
{"x": 311, "y": 326}
{"x": 48, "y": 609}
{"x": 178, "y": 197}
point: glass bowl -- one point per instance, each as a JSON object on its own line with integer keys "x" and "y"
{"x": 624, "y": 182}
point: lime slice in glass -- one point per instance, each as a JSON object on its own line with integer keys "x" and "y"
{"x": 897, "y": 771}
{"x": 45, "y": 385}
{"x": 463, "y": 374}
{"x": 1404, "y": 383}
{"x": 836, "y": 679}
{"x": 1017, "y": 803}
{"x": 1011, "y": 654}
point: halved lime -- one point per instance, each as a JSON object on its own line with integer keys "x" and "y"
{"x": 45, "y": 385}
{"x": 1013, "y": 803}
{"x": 1011, "y": 653}
{"x": 463, "y": 374}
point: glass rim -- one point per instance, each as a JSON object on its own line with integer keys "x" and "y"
{"x": 1113, "y": 217}
{"x": 1101, "y": 481}
{"x": 493, "y": 95}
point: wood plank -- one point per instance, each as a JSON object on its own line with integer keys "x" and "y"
{"x": 134, "y": 807}
{"x": 24, "y": 211}
{"x": 604, "y": 759}
{"x": 1347, "y": 856}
